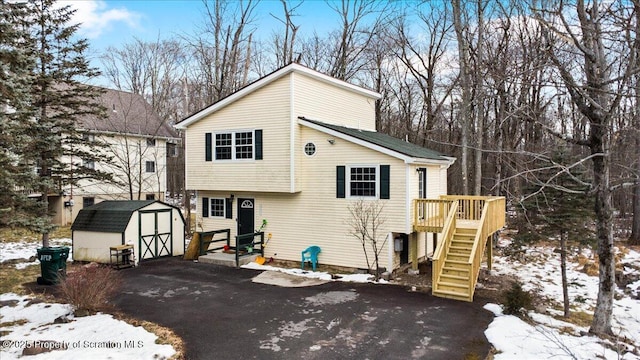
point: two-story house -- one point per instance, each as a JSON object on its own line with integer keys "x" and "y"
{"x": 297, "y": 148}
{"x": 138, "y": 142}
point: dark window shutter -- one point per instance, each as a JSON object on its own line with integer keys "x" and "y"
{"x": 228, "y": 208}
{"x": 384, "y": 181}
{"x": 258, "y": 144}
{"x": 205, "y": 207}
{"x": 340, "y": 181}
{"x": 207, "y": 147}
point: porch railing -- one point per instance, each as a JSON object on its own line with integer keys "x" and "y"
{"x": 448, "y": 229}
{"x": 430, "y": 214}
{"x": 491, "y": 220}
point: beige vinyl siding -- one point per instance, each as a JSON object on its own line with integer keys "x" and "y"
{"x": 314, "y": 216}
{"x": 266, "y": 109}
{"x": 317, "y": 100}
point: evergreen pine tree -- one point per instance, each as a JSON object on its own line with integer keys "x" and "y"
{"x": 560, "y": 207}
{"x": 16, "y": 64}
{"x": 58, "y": 147}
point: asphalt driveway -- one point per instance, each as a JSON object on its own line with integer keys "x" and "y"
{"x": 221, "y": 314}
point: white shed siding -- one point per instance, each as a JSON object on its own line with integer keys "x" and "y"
{"x": 320, "y": 101}
{"x": 266, "y": 109}
{"x": 94, "y": 246}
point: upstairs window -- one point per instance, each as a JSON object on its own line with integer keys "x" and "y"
{"x": 235, "y": 146}
{"x": 224, "y": 144}
{"x": 151, "y": 142}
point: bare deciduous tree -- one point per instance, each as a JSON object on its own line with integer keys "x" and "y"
{"x": 365, "y": 222}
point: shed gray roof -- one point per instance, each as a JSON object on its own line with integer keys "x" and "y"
{"x": 385, "y": 141}
{"x": 108, "y": 216}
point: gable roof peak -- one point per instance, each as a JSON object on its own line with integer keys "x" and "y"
{"x": 268, "y": 79}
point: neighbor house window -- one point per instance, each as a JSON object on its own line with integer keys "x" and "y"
{"x": 217, "y": 207}
{"x": 88, "y": 201}
{"x": 362, "y": 181}
{"x": 89, "y": 164}
{"x": 151, "y": 142}
{"x": 151, "y": 166}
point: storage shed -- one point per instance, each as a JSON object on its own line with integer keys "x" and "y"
{"x": 155, "y": 229}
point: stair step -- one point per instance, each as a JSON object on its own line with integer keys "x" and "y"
{"x": 455, "y": 277}
{"x": 460, "y": 248}
{"x": 461, "y": 241}
{"x": 452, "y": 284}
{"x": 451, "y": 295}
{"x": 449, "y": 268}
{"x": 455, "y": 262}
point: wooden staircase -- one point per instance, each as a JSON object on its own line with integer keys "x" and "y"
{"x": 465, "y": 225}
{"x": 454, "y": 279}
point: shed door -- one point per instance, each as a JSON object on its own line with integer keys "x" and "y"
{"x": 156, "y": 234}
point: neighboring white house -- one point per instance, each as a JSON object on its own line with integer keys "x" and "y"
{"x": 296, "y": 148}
{"x": 138, "y": 141}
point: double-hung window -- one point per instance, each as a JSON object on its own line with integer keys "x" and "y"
{"x": 234, "y": 145}
{"x": 217, "y": 207}
{"x": 363, "y": 181}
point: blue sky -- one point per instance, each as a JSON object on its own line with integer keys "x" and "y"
{"x": 115, "y": 22}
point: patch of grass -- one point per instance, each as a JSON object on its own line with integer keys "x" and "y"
{"x": 579, "y": 318}
{"x": 12, "y": 279}
{"x": 13, "y": 323}
{"x": 165, "y": 335}
{"x": 8, "y": 235}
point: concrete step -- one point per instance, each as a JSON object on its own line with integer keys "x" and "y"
{"x": 224, "y": 259}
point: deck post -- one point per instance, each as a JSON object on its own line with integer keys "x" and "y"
{"x": 490, "y": 252}
{"x": 413, "y": 251}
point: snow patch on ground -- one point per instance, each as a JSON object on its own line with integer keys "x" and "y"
{"x": 550, "y": 337}
{"x": 93, "y": 337}
{"x": 28, "y": 251}
{"x": 357, "y": 278}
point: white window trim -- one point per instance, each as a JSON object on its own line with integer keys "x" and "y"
{"x": 224, "y": 208}
{"x": 233, "y": 145}
{"x": 347, "y": 176}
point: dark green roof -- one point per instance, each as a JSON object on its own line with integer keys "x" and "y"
{"x": 108, "y": 216}
{"x": 385, "y": 141}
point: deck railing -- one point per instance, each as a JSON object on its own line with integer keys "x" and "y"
{"x": 491, "y": 219}
{"x": 448, "y": 228}
{"x": 430, "y": 214}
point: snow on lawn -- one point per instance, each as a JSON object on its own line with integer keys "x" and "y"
{"x": 550, "y": 337}
{"x": 27, "y": 251}
{"x": 93, "y": 337}
{"x": 26, "y": 324}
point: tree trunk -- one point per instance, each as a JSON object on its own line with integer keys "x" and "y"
{"x": 465, "y": 83}
{"x": 563, "y": 268}
{"x": 606, "y": 273}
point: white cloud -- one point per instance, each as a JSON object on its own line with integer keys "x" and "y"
{"x": 96, "y": 17}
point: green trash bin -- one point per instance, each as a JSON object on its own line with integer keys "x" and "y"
{"x": 53, "y": 264}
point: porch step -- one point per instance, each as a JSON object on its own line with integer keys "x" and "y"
{"x": 219, "y": 258}
{"x": 453, "y": 278}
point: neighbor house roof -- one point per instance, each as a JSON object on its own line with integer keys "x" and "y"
{"x": 108, "y": 216}
{"x": 405, "y": 150}
{"x": 291, "y": 68}
{"x": 127, "y": 113}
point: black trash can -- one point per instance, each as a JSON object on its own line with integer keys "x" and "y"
{"x": 53, "y": 264}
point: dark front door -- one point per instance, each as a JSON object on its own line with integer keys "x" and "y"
{"x": 404, "y": 255}
{"x": 246, "y": 216}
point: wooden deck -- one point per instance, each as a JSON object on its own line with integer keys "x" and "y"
{"x": 464, "y": 225}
